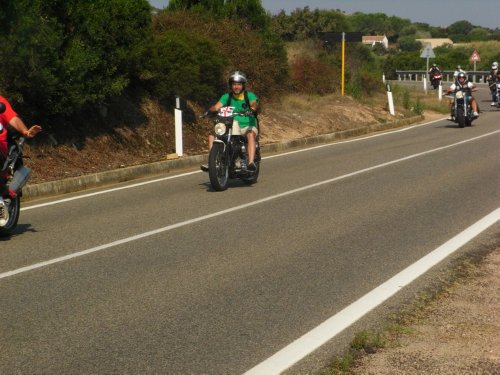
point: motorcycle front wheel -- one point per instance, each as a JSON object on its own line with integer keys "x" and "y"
{"x": 460, "y": 117}
{"x": 14, "y": 205}
{"x": 218, "y": 167}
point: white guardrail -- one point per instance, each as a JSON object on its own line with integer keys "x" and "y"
{"x": 421, "y": 75}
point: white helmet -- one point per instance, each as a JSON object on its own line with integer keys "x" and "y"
{"x": 237, "y": 76}
{"x": 462, "y": 75}
{"x": 494, "y": 65}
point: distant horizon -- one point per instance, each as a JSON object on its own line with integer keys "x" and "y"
{"x": 437, "y": 13}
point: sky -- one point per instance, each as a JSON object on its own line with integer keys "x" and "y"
{"x": 484, "y": 13}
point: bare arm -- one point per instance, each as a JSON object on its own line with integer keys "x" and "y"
{"x": 215, "y": 107}
{"x": 19, "y": 125}
{"x": 253, "y": 105}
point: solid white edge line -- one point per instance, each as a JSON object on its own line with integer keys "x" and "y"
{"x": 189, "y": 173}
{"x": 232, "y": 209}
{"x": 312, "y": 340}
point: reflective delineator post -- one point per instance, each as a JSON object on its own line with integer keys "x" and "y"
{"x": 178, "y": 127}
{"x": 390, "y": 100}
{"x": 343, "y": 61}
{"x": 440, "y": 90}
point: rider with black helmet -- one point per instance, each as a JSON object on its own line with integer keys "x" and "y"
{"x": 242, "y": 101}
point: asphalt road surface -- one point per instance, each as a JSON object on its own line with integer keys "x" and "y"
{"x": 169, "y": 276}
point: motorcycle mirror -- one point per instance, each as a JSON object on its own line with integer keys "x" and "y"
{"x": 2, "y": 108}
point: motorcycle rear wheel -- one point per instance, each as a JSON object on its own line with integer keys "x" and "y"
{"x": 218, "y": 167}
{"x": 14, "y": 205}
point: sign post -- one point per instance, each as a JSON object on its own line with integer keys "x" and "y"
{"x": 332, "y": 37}
{"x": 427, "y": 53}
{"x": 475, "y": 58}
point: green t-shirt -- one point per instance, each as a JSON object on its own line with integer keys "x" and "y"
{"x": 240, "y": 105}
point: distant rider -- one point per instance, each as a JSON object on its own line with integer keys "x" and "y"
{"x": 492, "y": 78}
{"x": 433, "y": 70}
{"x": 9, "y": 117}
{"x": 248, "y": 124}
{"x": 459, "y": 70}
{"x": 462, "y": 85}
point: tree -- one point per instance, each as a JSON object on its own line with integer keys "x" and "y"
{"x": 409, "y": 43}
{"x": 63, "y": 56}
{"x": 250, "y": 10}
{"x": 186, "y": 65}
{"x": 478, "y": 33}
{"x": 261, "y": 55}
{"x": 458, "y": 31}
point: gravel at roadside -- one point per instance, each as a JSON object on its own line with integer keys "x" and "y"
{"x": 458, "y": 333}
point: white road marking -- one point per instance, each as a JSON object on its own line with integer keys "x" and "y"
{"x": 226, "y": 211}
{"x": 331, "y": 327}
{"x": 190, "y": 173}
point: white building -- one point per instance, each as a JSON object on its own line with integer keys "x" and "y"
{"x": 374, "y": 39}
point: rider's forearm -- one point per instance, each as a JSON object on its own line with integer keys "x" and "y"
{"x": 19, "y": 125}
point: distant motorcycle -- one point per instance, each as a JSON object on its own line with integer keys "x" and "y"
{"x": 17, "y": 175}
{"x": 228, "y": 157}
{"x": 435, "y": 79}
{"x": 495, "y": 93}
{"x": 462, "y": 108}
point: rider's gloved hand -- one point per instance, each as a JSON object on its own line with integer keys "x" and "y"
{"x": 250, "y": 112}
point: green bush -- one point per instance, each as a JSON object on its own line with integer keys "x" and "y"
{"x": 186, "y": 65}
{"x": 261, "y": 55}
{"x": 66, "y": 56}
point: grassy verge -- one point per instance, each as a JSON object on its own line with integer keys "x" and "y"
{"x": 417, "y": 310}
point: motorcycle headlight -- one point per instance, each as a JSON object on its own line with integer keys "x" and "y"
{"x": 460, "y": 95}
{"x": 220, "y": 128}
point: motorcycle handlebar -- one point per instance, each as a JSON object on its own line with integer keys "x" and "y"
{"x": 214, "y": 113}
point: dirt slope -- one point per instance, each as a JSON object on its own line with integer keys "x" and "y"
{"x": 152, "y": 140}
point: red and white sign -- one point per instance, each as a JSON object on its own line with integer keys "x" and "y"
{"x": 474, "y": 57}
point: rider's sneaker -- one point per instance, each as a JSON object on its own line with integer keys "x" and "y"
{"x": 493, "y": 104}
{"x": 475, "y": 114}
{"x": 252, "y": 167}
{"x": 451, "y": 118}
{"x": 204, "y": 167}
{"x": 4, "y": 213}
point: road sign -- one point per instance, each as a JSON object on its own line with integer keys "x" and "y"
{"x": 428, "y": 53}
{"x": 474, "y": 57}
{"x": 331, "y": 37}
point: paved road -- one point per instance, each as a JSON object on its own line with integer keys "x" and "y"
{"x": 172, "y": 277}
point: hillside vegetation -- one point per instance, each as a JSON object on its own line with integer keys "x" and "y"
{"x": 85, "y": 70}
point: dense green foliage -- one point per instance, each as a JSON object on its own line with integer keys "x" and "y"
{"x": 250, "y": 11}
{"x": 302, "y": 24}
{"x": 63, "y": 56}
{"x": 233, "y": 47}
